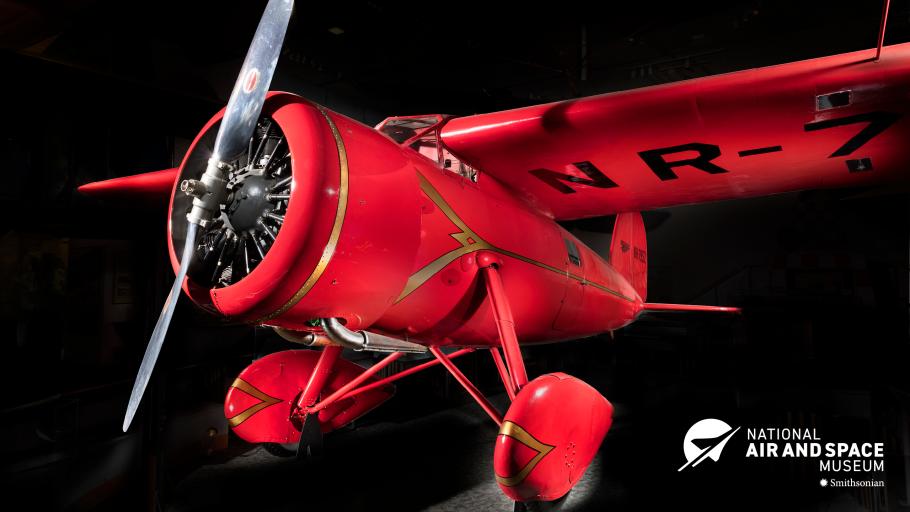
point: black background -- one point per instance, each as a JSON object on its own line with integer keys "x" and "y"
{"x": 97, "y": 89}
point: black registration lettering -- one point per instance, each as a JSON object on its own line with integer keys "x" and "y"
{"x": 595, "y": 178}
{"x": 878, "y": 122}
{"x": 663, "y": 169}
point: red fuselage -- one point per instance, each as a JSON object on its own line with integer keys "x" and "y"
{"x": 384, "y": 238}
{"x": 552, "y": 297}
{"x": 387, "y": 239}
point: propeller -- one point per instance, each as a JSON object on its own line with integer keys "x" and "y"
{"x": 209, "y": 192}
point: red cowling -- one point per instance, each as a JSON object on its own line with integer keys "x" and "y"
{"x": 549, "y": 435}
{"x": 258, "y": 405}
{"x": 350, "y": 233}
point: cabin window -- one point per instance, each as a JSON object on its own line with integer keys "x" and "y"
{"x": 572, "y": 249}
{"x": 450, "y": 162}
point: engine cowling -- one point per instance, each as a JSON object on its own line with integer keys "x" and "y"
{"x": 322, "y": 220}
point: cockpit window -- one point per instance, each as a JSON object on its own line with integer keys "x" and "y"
{"x": 421, "y": 133}
{"x": 400, "y": 130}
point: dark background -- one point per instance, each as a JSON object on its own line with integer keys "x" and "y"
{"x": 93, "y": 89}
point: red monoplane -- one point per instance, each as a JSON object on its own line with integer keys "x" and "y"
{"x": 429, "y": 234}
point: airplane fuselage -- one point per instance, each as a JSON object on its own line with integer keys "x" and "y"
{"x": 384, "y": 238}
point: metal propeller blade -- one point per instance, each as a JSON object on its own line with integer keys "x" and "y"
{"x": 157, "y": 339}
{"x": 253, "y": 82}
{"x": 234, "y": 134}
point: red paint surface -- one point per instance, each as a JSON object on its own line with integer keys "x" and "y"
{"x": 502, "y": 315}
{"x": 152, "y": 185}
{"x": 736, "y": 111}
{"x": 561, "y": 411}
{"x": 283, "y": 375}
{"x": 451, "y": 307}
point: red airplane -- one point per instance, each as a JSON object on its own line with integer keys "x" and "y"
{"x": 429, "y": 234}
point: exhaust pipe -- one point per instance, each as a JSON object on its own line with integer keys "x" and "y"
{"x": 308, "y": 339}
{"x": 363, "y": 340}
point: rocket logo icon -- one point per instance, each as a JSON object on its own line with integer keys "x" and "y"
{"x": 705, "y": 439}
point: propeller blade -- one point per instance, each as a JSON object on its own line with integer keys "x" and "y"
{"x": 157, "y": 339}
{"x": 246, "y": 100}
{"x": 237, "y": 125}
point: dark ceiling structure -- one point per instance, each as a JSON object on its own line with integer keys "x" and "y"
{"x": 371, "y": 59}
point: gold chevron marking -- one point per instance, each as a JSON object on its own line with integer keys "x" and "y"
{"x": 472, "y": 242}
{"x": 521, "y": 435}
{"x": 264, "y": 401}
{"x": 469, "y": 240}
{"x": 336, "y": 227}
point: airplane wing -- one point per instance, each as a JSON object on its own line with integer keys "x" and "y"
{"x": 837, "y": 121}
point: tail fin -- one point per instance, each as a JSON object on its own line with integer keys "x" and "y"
{"x": 629, "y": 251}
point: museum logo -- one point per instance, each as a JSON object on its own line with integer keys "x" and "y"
{"x": 806, "y": 443}
{"x": 705, "y": 439}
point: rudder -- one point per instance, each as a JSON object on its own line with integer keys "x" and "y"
{"x": 629, "y": 251}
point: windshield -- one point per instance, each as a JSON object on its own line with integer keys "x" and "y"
{"x": 401, "y": 130}
{"x": 420, "y": 133}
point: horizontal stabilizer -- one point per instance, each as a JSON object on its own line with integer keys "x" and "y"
{"x": 149, "y": 185}
{"x": 649, "y": 307}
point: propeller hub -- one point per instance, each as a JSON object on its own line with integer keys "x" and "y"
{"x": 193, "y": 188}
{"x": 208, "y": 192}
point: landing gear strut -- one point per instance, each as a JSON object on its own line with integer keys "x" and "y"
{"x": 556, "y": 418}
{"x": 310, "y": 443}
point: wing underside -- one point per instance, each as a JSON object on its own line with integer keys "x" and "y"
{"x": 836, "y": 121}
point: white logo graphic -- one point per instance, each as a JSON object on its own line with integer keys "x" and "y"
{"x": 706, "y": 439}
{"x": 823, "y": 482}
